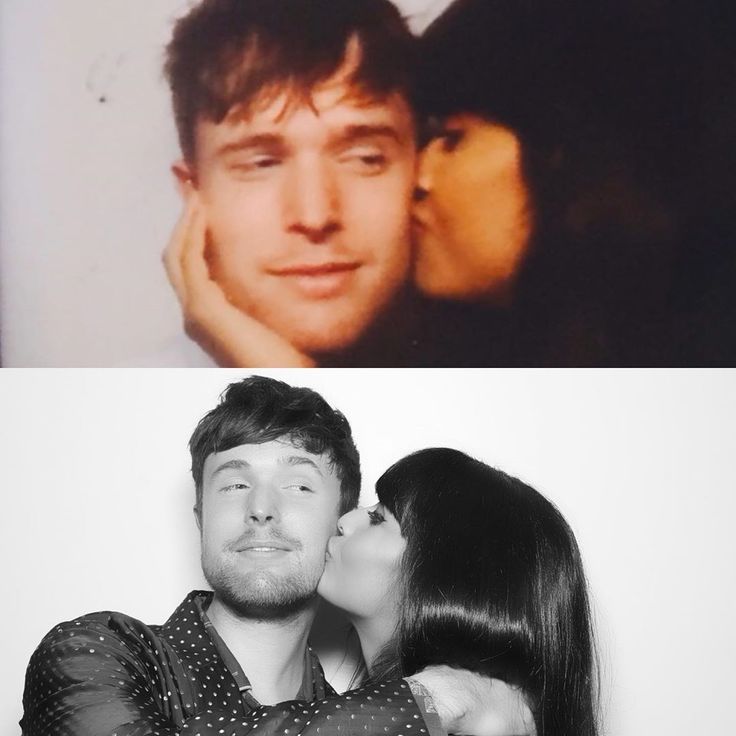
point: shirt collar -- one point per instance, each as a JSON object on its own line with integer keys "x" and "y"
{"x": 313, "y": 682}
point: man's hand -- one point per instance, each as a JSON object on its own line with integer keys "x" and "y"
{"x": 474, "y": 705}
{"x": 232, "y": 337}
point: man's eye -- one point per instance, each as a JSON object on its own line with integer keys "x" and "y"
{"x": 256, "y": 164}
{"x": 376, "y": 517}
{"x": 367, "y": 161}
{"x": 301, "y": 487}
{"x": 233, "y": 487}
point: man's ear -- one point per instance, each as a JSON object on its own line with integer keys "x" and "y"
{"x": 198, "y": 516}
{"x": 185, "y": 177}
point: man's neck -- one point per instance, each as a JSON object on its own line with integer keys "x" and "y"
{"x": 271, "y": 653}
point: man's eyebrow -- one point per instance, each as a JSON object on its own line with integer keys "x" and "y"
{"x": 352, "y": 133}
{"x": 257, "y": 140}
{"x": 234, "y": 464}
{"x": 294, "y": 460}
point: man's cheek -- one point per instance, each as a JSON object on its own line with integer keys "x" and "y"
{"x": 242, "y": 245}
{"x": 382, "y": 203}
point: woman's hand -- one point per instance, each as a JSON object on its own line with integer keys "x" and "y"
{"x": 470, "y": 704}
{"x": 232, "y": 337}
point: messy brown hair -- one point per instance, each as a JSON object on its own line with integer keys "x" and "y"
{"x": 228, "y": 53}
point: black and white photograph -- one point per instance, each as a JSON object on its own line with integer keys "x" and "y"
{"x": 542, "y": 552}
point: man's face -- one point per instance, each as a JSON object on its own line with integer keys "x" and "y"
{"x": 267, "y": 513}
{"x": 307, "y": 208}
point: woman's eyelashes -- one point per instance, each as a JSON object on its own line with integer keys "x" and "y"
{"x": 450, "y": 138}
{"x": 375, "y": 516}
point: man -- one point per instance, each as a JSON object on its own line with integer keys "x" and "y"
{"x": 297, "y": 175}
{"x": 274, "y": 466}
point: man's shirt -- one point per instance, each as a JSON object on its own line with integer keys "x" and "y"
{"x": 107, "y": 674}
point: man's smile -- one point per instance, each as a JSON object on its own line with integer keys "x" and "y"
{"x": 323, "y": 280}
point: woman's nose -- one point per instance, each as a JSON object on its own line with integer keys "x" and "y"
{"x": 420, "y": 193}
{"x": 425, "y": 170}
{"x": 347, "y": 523}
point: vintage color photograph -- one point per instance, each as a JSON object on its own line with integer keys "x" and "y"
{"x": 368, "y": 183}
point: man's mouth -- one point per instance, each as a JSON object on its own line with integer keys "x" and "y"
{"x": 318, "y": 280}
{"x": 262, "y": 546}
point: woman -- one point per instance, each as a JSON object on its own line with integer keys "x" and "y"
{"x": 463, "y": 565}
{"x": 576, "y": 193}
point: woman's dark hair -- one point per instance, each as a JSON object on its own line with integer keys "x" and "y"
{"x": 492, "y": 582}
{"x": 626, "y": 115}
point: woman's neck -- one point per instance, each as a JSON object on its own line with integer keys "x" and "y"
{"x": 374, "y": 633}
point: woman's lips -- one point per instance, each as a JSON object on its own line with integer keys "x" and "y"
{"x": 419, "y": 225}
{"x": 319, "y": 281}
{"x": 328, "y": 551}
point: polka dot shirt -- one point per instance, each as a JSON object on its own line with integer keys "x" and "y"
{"x": 107, "y": 674}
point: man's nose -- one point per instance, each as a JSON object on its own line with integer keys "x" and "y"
{"x": 261, "y": 506}
{"x": 313, "y": 202}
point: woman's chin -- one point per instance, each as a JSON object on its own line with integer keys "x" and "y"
{"x": 435, "y": 285}
{"x": 446, "y": 284}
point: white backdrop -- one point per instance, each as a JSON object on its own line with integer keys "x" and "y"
{"x": 97, "y": 503}
{"x": 86, "y": 197}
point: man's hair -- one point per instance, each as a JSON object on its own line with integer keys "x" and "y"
{"x": 258, "y": 409}
{"x": 227, "y": 53}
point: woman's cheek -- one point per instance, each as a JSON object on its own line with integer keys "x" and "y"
{"x": 352, "y": 553}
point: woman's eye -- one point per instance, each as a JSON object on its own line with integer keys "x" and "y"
{"x": 376, "y": 517}
{"x": 451, "y": 138}
{"x": 300, "y": 487}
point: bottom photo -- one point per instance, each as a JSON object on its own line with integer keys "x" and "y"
{"x": 395, "y": 552}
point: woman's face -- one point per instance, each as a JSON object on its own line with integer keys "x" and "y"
{"x": 472, "y": 214}
{"x": 362, "y": 564}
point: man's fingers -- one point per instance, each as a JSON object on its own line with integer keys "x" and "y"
{"x": 179, "y": 243}
{"x": 193, "y": 262}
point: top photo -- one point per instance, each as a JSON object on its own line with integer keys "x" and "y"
{"x": 367, "y": 183}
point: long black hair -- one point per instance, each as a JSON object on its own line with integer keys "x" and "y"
{"x": 626, "y": 115}
{"x": 492, "y": 582}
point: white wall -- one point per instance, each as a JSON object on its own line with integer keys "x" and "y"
{"x": 86, "y": 198}
{"x": 97, "y": 503}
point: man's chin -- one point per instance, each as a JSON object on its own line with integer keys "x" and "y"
{"x": 263, "y": 595}
{"x": 319, "y": 336}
